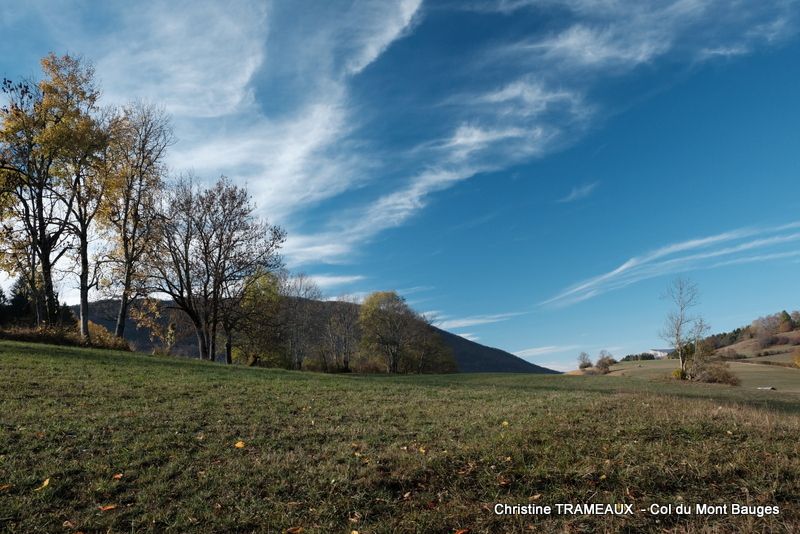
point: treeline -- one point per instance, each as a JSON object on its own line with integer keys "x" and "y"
{"x": 383, "y": 334}
{"x": 642, "y": 356}
{"x": 766, "y": 330}
{"x": 84, "y": 190}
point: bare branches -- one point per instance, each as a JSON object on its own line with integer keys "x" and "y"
{"x": 680, "y": 327}
{"x": 209, "y": 247}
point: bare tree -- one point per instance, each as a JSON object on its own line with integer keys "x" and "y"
{"x": 297, "y": 322}
{"x": 584, "y": 361}
{"x": 677, "y": 330}
{"x": 340, "y": 335}
{"x": 209, "y": 243}
{"x": 138, "y": 149}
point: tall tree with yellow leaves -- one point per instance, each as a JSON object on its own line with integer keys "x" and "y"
{"x": 44, "y": 127}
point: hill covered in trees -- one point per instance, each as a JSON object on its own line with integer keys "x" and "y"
{"x": 469, "y": 356}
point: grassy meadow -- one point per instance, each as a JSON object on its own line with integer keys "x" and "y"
{"x": 98, "y": 441}
{"x": 752, "y": 372}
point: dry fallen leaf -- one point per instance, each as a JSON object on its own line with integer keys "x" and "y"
{"x": 239, "y": 444}
{"x": 6, "y": 486}
{"x": 505, "y": 423}
{"x": 294, "y": 530}
{"x": 535, "y": 497}
{"x": 462, "y": 531}
{"x": 68, "y": 524}
{"x": 44, "y": 485}
{"x": 117, "y": 476}
{"x": 107, "y": 507}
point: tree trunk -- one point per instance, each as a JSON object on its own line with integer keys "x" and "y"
{"x": 51, "y": 305}
{"x": 122, "y": 315}
{"x": 202, "y": 342}
{"x": 211, "y": 349}
{"x": 229, "y": 347}
{"x": 84, "y": 289}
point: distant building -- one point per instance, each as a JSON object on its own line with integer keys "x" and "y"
{"x": 660, "y": 353}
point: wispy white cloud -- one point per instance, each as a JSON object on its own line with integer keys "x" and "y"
{"x": 217, "y": 67}
{"x": 539, "y": 103}
{"x": 474, "y": 320}
{"x": 158, "y": 52}
{"x": 414, "y": 290}
{"x": 548, "y": 349}
{"x": 329, "y": 281}
{"x": 701, "y": 253}
{"x": 538, "y": 127}
{"x": 468, "y": 335}
{"x": 579, "y": 192}
{"x": 370, "y": 39}
{"x": 205, "y": 61}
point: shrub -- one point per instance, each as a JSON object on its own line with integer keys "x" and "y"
{"x": 715, "y": 373}
{"x": 796, "y": 358}
{"x": 731, "y": 354}
{"x": 55, "y": 335}
{"x": 679, "y": 374}
{"x": 604, "y": 364}
{"x": 103, "y": 338}
{"x": 52, "y": 335}
{"x": 767, "y": 341}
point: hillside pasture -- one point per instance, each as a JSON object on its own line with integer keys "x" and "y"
{"x": 752, "y": 374}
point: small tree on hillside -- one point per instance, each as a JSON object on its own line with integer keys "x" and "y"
{"x": 584, "y": 361}
{"x": 677, "y": 330}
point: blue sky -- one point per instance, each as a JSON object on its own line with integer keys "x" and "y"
{"x": 530, "y": 172}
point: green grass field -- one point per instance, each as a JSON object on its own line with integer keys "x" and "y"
{"x": 134, "y": 443}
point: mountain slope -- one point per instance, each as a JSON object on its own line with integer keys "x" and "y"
{"x": 470, "y": 357}
{"x": 473, "y": 357}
